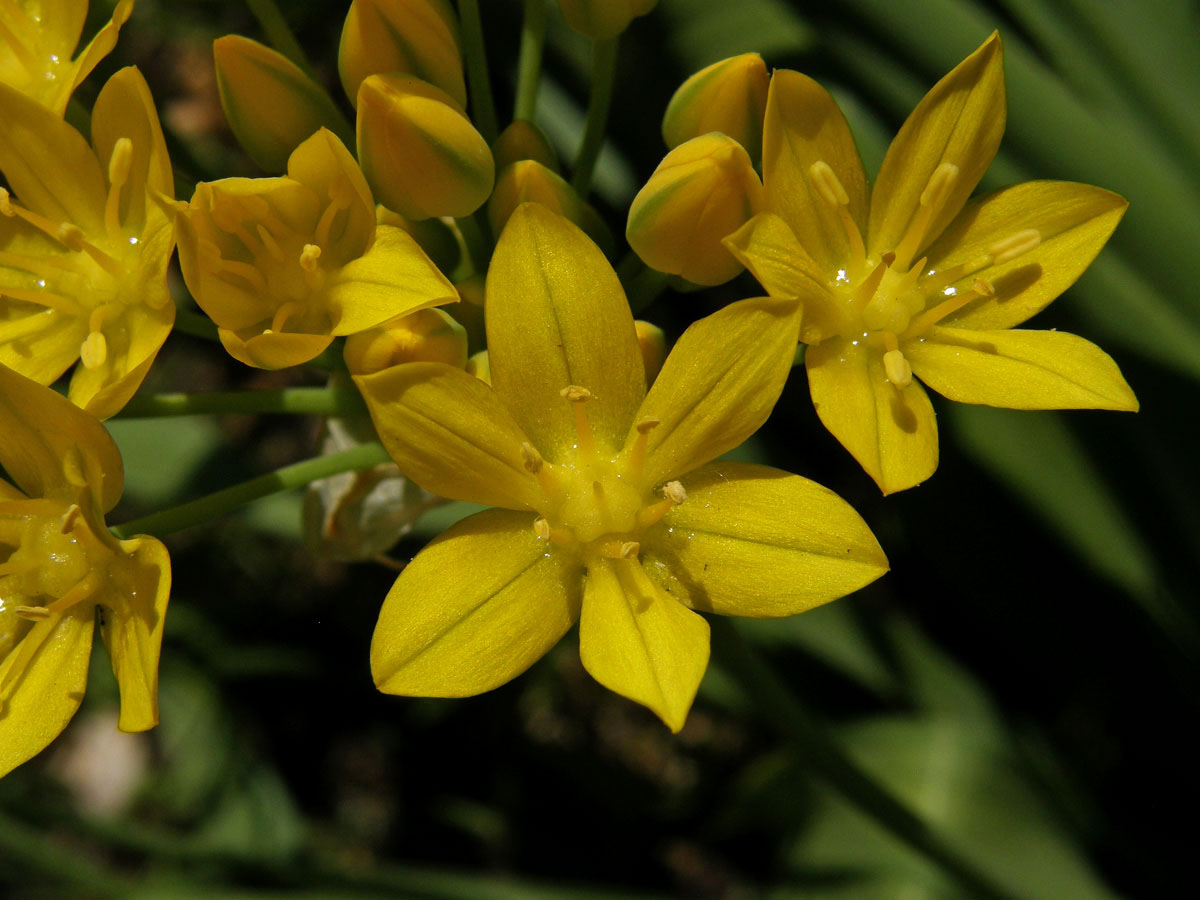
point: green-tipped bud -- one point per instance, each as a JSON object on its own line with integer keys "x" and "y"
{"x": 421, "y": 154}
{"x": 523, "y": 140}
{"x": 270, "y": 104}
{"x": 411, "y": 37}
{"x": 702, "y": 191}
{"x": 603, "y": 19}
{"x": 530, "y": 181}
{"x": 729, "y": 96}
{"x": 428, "y": 335}
{"x": 653, "y": 344}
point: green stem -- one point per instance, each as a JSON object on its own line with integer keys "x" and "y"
{"x": 476, "y": 232}
{"x": 279, "y": 33}
{"x": 188, "y": 322}
{"x": 483, "y": 109}
{"x": 310, "y": 401}
{"x": 23, "y": 847}
{"x": 224, "y": 501}
{"x": 812, "y": 743}
{"x": 529, "y": 63}
{"x": 604, "y": 70}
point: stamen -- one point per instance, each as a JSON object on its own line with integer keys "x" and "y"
{"x": 630, "y": 550}
{"x": 637, "y": 453}
{"x": 47, "y": 299}
{"x": 93, "y": 351}
{"x": 933, "y": 199}
{"x": 340, "y": 198}
{"x": 931, "y": 317}
{"x": 899, "y": 372}
{"x": 82, "y": 590}
{"x": 1014, "y": 245}
{"x": 33, "y": 613}
{"x": 283, "y": 314}
{"x": 866, "y": 290}
{"x": 309, "y": 256}
{"x": 70, "y": 236}
{"x": 119, "y": 164}
{"x": 6, "y": 207}
{"x": 541, "y": 527}
{"x": 269, "y": 242}
{"x": 674, "y": 491}
{"x": 69, "y": 517}
{"x": 531, "y": 459}
{"x": 577, "y": 396}
{"x": 826, "y": 183}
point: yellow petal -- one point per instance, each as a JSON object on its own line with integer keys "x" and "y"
{"x": 449, "y": 432}
{"x": 891, "y": 432}
{"x": 42, "y": 431}
{"x": 1019, "y": 369}
{"x": 639, "y": 641}
{"x": 766, "y": 246}
{"x": 557, "y": 316}
{"x": 803, "y": 127}
{"x": 48, "y": 165}
{"x": 60, "y": 24}
{"x": 38, "y": 344}
{"x": 719, "y": 384}
{"x": 42, "y": 681}
{"x": 1073, "y": 222}
{"x": 474, "y": 609}
{"x": 755, "y": 541}
{"x": 323, "y": 165}
{"x": 393, "y": 278}
{"x": 125, "y": 109}
{"x": 960, "y": 121}
{"x": 270, "y": 104}
{"x": 98, "y": 48}
{"x": 417, "y": 37}
{"x": 273, "y": 350}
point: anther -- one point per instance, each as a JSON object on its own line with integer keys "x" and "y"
{"x": 575, "y": 393}
{"x": 648, "y": 424}
{"x": 541, "y": 527}
{"x": 94, "y": 350}
{"x": 68, "y": 519}
{"x": 940, "y": 184}
{"x": 933, "y": 198}
{"x": 674, "y": 491}
{"x": 309, "y": 256}
{"x": 71, "y": 236}
{"x": 629, "y": 550}
{"x": 1014, "y": 245}
{"x": 33, "y": 613}
{"x": 577, "y": 396}
{"x": 120, "y": 162}
{"x": 898, "y": 371}
{"x": 983, "y": 288}
{"x": 6, "y": 207}
{"x": 531, "y": 459}
{"x": 827, "y": 184}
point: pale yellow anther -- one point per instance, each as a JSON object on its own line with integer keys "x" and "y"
{"x": 646, "y": 425}
{"x": 674, "y": 491}
{"x": 899, "y": 372}
{"x": 71, "y": 236}
{"x": 530, "y": 458}
{"x": 6, "y": 207}
{"x": 827, "y": 184}
{"x": 309, "y": 256}
{"x": 575, "y": 394}
{"x": 541, "y": 527}
{"x": 984, "y": 288}
{"x": 1014, "y": 245}
{"x": 68, "y": 519}
{"x": 33, "y": 613}
{"x": 629, "y": 550}
{"x": 120, "y": 162}
{"x": 941, "y": 182}
{"x": 94, "y": 350}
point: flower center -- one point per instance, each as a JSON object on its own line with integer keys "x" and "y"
{"x": 893, "y": 299}
{"x": 87, "y": 282}
{"x": 598, "y": 504}
{"x": 274, "y": 260}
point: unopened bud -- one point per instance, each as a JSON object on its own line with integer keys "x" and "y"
{"x": 421, "y": 154}
{"x": 702, "y": 191}
{"x": 603, "y": 19}
{"x": 523, "y": 140}
{"x": 428, "y": 335}
{"x": 653, "y": 344}
{"x": 729, "y": 96}
{"x": 529, "y": 181}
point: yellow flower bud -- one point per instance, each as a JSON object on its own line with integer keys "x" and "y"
{"x": 421, "y": 154}
{"x": 428, "y": 335}
{"x": 603, "y": 19}
{"x": 529, "y": 181}
{"x": 702, "y": 191}
{"x": 523, "y": 140}
{"x": 270, "y": 104}
{"x": 412, "y": 37}
{"x": 653, "y": 344}
{"x": 729, "y": 96}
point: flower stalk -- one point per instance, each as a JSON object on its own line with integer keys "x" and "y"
{"x": 604, "y": 70}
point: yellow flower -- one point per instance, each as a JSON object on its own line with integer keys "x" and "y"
{"x": 84, "y": 243}
{"x": 37, "y": 38}
{"x": 914, "y": 280}
{"x": 284, "y": 265}
{"x": 612, "y": 510}
{"x": 60, "y": 567}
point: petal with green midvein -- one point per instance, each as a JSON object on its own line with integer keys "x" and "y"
{"x": 474, "y": 609}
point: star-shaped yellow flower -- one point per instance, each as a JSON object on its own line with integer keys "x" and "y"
{"x": 612, "y": 510}
{"x": 913, "y": 279}
{"x": 37, "y": 38}
{"x": 61, "y": 569}
{"x": 84, "y": 243}
{"x": 285, "y": 265}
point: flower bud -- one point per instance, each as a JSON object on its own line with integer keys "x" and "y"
{"x": 428, "y": 335}
{"x": 421, "y": 154}
{"x": 603, "y": 19}
{"x": 729, "y": 96}
{"x": 270, "y": 104}
{"x": 529, "y": 181}
{"x": 411, "y": 37}
{"x": 653, "y": 344}
{"x": 523, "y": 140}
{"x": 702, "y": 191}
